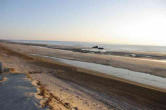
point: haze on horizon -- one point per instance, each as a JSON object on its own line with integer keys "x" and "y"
{"x": 141, "y": 22}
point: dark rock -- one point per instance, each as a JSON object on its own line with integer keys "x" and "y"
{"x": 95, "y": 46}
{"x": 101, "y": 48}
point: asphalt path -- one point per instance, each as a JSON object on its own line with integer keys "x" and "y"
{"x": 16, "y": 93}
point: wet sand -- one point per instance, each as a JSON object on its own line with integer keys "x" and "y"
{"x": 105, "y": 92}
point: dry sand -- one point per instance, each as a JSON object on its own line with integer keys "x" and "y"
{"x": 82, "y": 90}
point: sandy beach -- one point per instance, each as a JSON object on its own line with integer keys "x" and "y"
{"x": 84, "y": 89}
{"x": 146, "y": 65}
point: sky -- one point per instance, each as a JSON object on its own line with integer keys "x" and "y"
{"x": 140, "y": 22}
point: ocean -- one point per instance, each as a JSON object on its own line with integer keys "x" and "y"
{"x": 107, "y": 47}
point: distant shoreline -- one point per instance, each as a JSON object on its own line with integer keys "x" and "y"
{"x": 134, "y": 54}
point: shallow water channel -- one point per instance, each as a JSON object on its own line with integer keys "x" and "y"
{"x": 139, "y": 77}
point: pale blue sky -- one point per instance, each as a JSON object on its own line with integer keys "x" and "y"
{"x": 111, "y": 21}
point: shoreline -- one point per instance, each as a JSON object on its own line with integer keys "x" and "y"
{"x": 132, "y": 54}
{"x": 135, "y": 96}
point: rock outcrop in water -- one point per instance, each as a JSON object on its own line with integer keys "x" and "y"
{"x": 97, "y": 47}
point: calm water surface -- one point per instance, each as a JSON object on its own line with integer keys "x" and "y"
{"x": 139, "y": 77}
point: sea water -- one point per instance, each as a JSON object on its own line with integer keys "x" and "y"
{"x": 107, "y": 47}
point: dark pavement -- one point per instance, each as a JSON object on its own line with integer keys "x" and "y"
{"x": 16, "y": 93}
